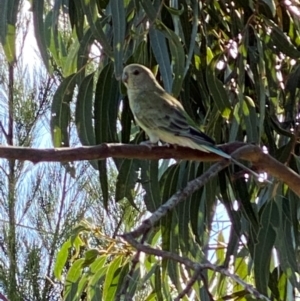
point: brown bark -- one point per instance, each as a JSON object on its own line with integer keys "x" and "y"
{"x": 240, "y": 151}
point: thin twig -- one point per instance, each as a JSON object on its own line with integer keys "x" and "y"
{"x": 3, "y": 131}
{"x": 189, "y": 285}
{"x": 135, "y": 260}
{"x": 206, "y": 286}
{"x": 193, "y": 265}
{"x": 27, "y": 227}
{"x": 3, "y": 298}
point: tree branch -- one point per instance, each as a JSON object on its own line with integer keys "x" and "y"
{"x": 178, "y": 197}
{"x": 3, "y": 298}
{"x": 241, "y": 151}
{"x": 189, "y": 285}
{"x": 193, "y": 265}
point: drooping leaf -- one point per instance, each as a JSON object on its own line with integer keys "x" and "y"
{"x": 71, "y": 291}
{"x": 217, "y": 89}
{"x": 279, "y": 40}
{"x": 60, "y": 111}
{"x": 62, "y": 256}
{"x": 271, "y": 5}
{"x": 169, "y": 227}
{"x": 8, "y": 29}
{"x": 263, "y": 249}
{"x": 84, "y": 109}
{"x": 107, "y": 99}
{"x": 119, "y": 26}
{"x": 89, "y": 7}
{"x": 112, "y": 278}
{"x": 161, "y": 53}
{"x": 76, "y": 17}
{"x": 39, "y": 28}
{"x": 70, "y": 64}
{"x": 83, "y": 55}
{"x": 105, "y": 113}
{"x": 127, "y": 179}
{"x": 149, "y": 179}
{"x": 98, "y": 270}
{"x": 178, "y": 57}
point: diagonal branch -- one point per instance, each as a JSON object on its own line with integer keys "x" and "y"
{"x": 241, "y": 151}
{"x": 192, "y": 265}
{"x": 178, "y": 197}
{"x": 189, "y": 285}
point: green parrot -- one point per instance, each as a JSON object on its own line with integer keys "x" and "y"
{"x": 162, "y": 116}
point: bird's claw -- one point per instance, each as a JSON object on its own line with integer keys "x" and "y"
{"x": 148, "y": 143}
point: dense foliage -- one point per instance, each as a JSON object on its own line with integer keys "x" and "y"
{"x": 234, "y": 65}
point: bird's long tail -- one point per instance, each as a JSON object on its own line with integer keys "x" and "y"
{"x": 219, "y": 152}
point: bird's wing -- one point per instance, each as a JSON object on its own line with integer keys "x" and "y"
{"x": 166, "y": 113}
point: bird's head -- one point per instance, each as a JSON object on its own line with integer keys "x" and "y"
{"x": 136, "y": 76}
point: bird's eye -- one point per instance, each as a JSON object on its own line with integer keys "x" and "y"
{"x": 136, "y": 72}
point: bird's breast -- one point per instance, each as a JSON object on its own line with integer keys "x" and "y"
{"x": 137, "y": 102}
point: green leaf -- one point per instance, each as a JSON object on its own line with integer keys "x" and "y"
{"x": 70, "y": 64}
{"x": 89, "y": 257}
{"x": 3, "y": 20}
{"x": 98, "y": 263}
{"x": 188, "y": 172}
{"x": 217, "y": 89}
{"x": 160, "y": 50}
{"x": 141, "y": 54}
{"x": 9, "y": 11}
{"x": 76, "y": 17}
{"x": 248, "y": 211}
{"x": 249, "y": 113}
{"x": 83, "y": 113}
{"x": 98, "y": 271}
{"x": 39, "y": 30}
{"x": 107, "y": 98}
{"x": 122, "y": 277}
{"x": 119, "y": 26}
{"x": 193, "y": 35}
{"x": 71, "y": 289}
{"x": 271, "y": 5}
{"x": 9, "y": 45}
{"x": 178, "y": 56}
{"x": 61, "y": 259}
{"x": 82, "y": 285}
{"x": 127, "y": 179}
{"x": 149, "y": 179}
{"x": 62, "y": 256}
{"x": 60, "y": 111}
{"x": 279, "y": 40}
{"x": 83, "y": 54}
{"x": 285, "y": 237}
{"x": 90, "y": 9}
{"x": 241, "y": 269}
{"x": 158, "y": 286}
{"x": 198, "y": 211}
{"x": 169, "y": 223}
{"x": 174, "y": 11}
{"x": 103, "y": 178}
{"x": 159, "y": 46}
{"x": 126, "y": 119}
{"x": 105, "y": 113}
{"x": 112, "y": 278}
{"x": 263, "y": 249}
{"x": 149, "y": 9}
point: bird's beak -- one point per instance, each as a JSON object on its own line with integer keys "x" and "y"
{"x": 124, "y": 77}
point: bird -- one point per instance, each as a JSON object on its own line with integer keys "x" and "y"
{"x": 162, "y": 116}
